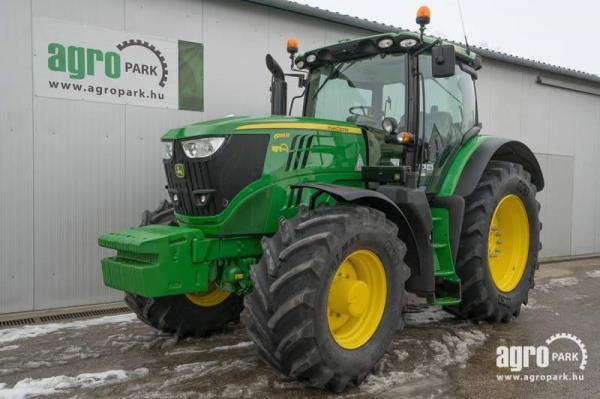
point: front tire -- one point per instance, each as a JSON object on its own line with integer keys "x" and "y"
{"x": 499, "y": 245}
{"x": 328, "y": 295}
{"x": 189, "y": 315}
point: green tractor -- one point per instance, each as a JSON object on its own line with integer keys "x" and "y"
{"x": 318, "y": 225}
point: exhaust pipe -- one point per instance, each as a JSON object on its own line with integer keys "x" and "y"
{"x": 278, "y": 87}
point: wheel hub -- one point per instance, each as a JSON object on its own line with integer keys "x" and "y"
{"x": 508, "y": 243}
{"x": 356, "y": 299}
{"x": 349, "y": 297}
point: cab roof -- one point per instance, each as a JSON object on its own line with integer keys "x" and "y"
{"x": 367, "y": 46}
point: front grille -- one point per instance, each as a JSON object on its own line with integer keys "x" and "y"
{"x": 218, "y": 178}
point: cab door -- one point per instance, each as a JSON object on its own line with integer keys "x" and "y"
{"x": 447, "y": 110}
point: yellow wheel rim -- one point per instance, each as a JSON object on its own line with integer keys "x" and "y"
{"x": 212, "y": 297}
{"x": 508, "y": 243}
{"x": 356, "y": 299}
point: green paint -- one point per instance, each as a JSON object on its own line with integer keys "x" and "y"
{"x": 229, "y": 125}
{"x": 443, "y": 260}
{"x": 222, "y": 247}
{"x": 444, "y": 267}
{"x": 154, "y": 260}
{"x": 166, "y": 260}
{"x": 458, "y": 165}
{"x": 447, "y": 301}
{"x": 159, "y": 260}
{"x": 443, "y": 264}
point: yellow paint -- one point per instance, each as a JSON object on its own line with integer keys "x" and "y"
{"x": 179, "y": 170}
{"x": 300, "y": 125}
{"x": 213, "y": 297}
{"x": 238, "y": 276}
{"x": 508, "y": 243}
{"x": 356, "y": 299}
{"x": 278, "y": 136}
{"x": 280, "y": 148}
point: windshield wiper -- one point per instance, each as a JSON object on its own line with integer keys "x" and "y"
{"x": 334, "y": 73}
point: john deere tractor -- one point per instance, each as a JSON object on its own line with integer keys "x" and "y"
{"x": 318, "y": 225}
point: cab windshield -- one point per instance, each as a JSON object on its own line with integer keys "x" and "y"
{"x": 363, "y": 92}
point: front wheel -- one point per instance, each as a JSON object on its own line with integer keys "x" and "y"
{"x": 328, "y": 295}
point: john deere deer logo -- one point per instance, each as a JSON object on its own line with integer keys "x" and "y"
{"x": 179, "y": 170}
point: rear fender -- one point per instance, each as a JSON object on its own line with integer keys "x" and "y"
{"x": 495, "y": 148}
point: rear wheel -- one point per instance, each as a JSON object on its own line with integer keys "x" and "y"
{"x": 328, "y": 295}
{"x": 499, "y": 244}
{"x": 196, "y": 314}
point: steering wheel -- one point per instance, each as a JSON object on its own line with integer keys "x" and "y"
{"x": 366, "y": 110}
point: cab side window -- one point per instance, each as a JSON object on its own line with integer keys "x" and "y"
{"x": 447, "y": 111}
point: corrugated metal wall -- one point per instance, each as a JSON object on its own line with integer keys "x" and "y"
{"x": 70, "y": 170}
{"x": 563, "y": 128}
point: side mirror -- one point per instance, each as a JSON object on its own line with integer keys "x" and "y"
{"x": 442, "y": 61}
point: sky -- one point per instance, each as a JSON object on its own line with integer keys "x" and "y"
{"x": 551, "y": 31}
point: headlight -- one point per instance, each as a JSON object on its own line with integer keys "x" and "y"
{"x": 408, "y": 43}
{"x": 311, "y": 58}
{"x": 201, "y": 148}
{"x": 385, "y": 43}
{"x": 168, "y": 150}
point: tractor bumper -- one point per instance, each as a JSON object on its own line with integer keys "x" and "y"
{"x": 159, "y": 260}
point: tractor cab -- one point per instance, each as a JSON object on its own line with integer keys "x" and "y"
{"x": 413, "y": 96}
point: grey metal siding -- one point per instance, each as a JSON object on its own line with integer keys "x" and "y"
{"x": 16, "y": 159}
{"x": 563, "y": 128}
{"x": 70, "y": 170}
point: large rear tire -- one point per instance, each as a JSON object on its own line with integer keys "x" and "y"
{"x": 195, "y": 315}
{"x": 499, "y": 244}
{"x": 328, "y": 295}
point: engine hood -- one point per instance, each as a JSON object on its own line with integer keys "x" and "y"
{"x": 245, "y": 125}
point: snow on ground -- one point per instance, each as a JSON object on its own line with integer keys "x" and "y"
{"x": 30, "y": 331}
{"x": 532, "y": 304}
{"x": 424, "y": 314}
{"x": 557, "y": 283}
{"x": 453, "y": 348}
{"x": 593, "y": 273}
{"x": 185, "y": 373}
{"x": 239, "y": 345}
{"x": 8, "y": 348}
{"x": 61, "y": 383}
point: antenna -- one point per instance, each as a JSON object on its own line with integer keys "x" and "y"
{"x": 462, "y": 21}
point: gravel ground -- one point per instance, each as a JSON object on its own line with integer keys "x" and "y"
{"x": 436, "y": 355}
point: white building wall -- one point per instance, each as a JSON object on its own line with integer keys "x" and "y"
{"x": 70, "y": 170}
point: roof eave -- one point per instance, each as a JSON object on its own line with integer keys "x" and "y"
{"x": 377, "y": 27}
